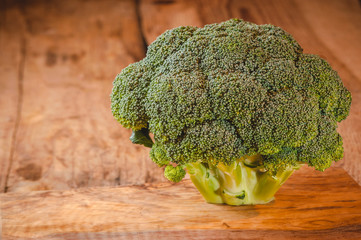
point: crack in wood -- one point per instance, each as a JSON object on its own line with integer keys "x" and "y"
{"x": 19, "y": 104}
{"x": 18, "y": 108}
{"x": 163, "y": 2}
{"x": 140, "y": 25}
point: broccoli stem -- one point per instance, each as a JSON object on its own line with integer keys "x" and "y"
{"x": 242, "y": 182}
{"x": 205, "y": 181}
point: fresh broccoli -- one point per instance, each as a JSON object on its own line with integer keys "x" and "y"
{"x": 238, "y": 105}
{"x": 174, "y": 174}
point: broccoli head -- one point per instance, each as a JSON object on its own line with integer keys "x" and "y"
{"x": 238, "y": 105}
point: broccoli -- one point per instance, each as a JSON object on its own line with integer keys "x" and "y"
{"x": 239, "y": 106}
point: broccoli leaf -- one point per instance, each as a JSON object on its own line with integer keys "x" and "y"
{"x": 142, "y": 137}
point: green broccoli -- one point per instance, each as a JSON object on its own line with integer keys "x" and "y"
{"x": 238, "y": 105}
{"x": 174, "y": 174}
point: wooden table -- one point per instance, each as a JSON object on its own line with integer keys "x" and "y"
{"x": 57, "y": 63}
{"x": 311, "y": 205}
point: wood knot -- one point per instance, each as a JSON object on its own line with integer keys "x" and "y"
{"x": 30, "y": 172}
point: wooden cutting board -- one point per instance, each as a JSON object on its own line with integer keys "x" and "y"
{"x": 310, "y": 205}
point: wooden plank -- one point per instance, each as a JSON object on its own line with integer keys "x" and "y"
{"x": 330, "y": 31}
{"x": 11, "y": 72}
{"x": 311, "y": 204}
{"x": 67, "y": 137}
{"x": 159, "y": 16}
{"x": 340, "y": 33}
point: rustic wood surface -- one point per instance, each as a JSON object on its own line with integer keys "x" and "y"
{"x": 310, "y": 205}
{"x": 58, "y": 60}
{"x": 57, "y": 128}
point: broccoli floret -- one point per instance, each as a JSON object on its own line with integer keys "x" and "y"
{"x": 159, "y": 155}
{"x": 174, "y": 174}
{"x": 238, "y": 105}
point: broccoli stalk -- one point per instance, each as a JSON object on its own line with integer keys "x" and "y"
{"x": 239, "y": 183}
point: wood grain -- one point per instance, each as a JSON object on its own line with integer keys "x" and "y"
{"x": 66, "y": 136}
{"x": 11, "y": 70}
{"x": 12, "y": 59}
{"x": 310, "y": 205}
{"x": 331, "y": 30}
